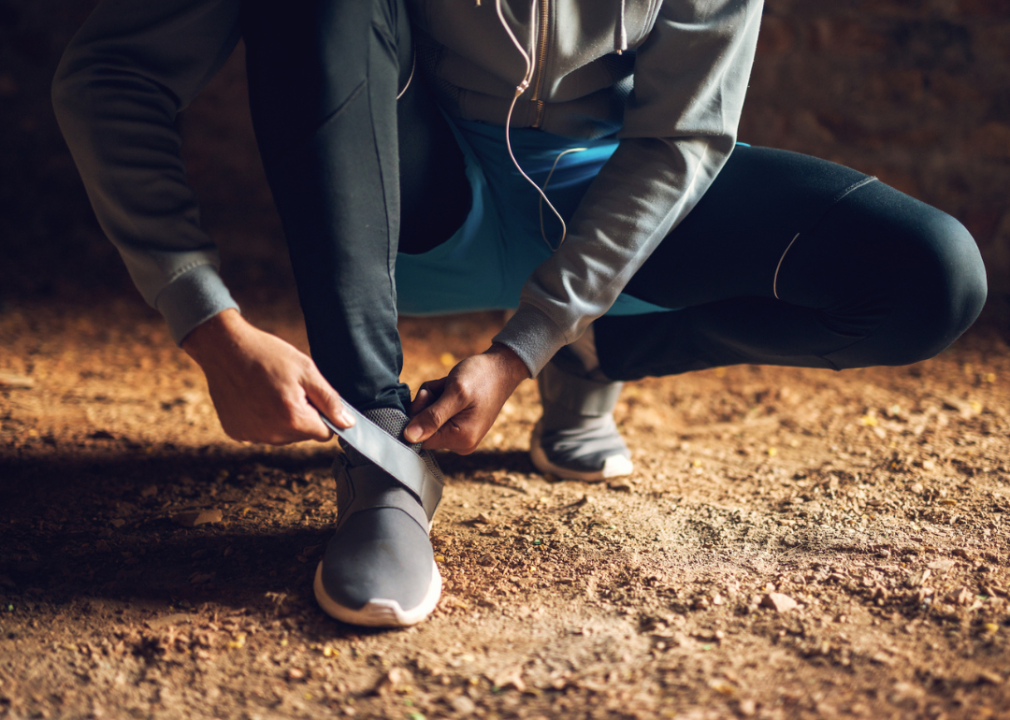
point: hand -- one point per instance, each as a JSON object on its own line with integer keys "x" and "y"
{"x": 264, "y": 389}
{"x": 455, "y": 412}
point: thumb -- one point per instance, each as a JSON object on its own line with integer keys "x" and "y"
{"x": 428, "y": 421}
{"x": 326, "y": 400}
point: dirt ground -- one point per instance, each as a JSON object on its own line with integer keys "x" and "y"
{"x": 794, "y": 544}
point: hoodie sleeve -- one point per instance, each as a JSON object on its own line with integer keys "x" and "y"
{"x": 133, "y": 66}
{"x": 679, "y": 129}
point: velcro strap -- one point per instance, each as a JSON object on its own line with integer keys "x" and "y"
{"x": 585, "y": 397}
{"x": 369, "y": 487}
{"x": 406, "y": 466}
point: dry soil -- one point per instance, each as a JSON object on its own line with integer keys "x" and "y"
{"x": 794, "y": 544}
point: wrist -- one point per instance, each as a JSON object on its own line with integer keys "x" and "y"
{"x": 212, "y": 338}
{"x": 511, "y": 363}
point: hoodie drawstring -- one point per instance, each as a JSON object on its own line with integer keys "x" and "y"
{"x": 622, "y": 40}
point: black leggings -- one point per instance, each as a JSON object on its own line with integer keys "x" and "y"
{"x": 791, "y": 260}
{"x": 787, "y": 259}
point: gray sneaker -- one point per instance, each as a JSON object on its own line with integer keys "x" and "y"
{"x": 379, "y": 568}
{"x": 576, "y": 438}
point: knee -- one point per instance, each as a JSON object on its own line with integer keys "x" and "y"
{"x": 946, "y": 286}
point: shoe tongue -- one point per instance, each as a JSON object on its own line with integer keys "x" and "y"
{"x": 391, "y": 420}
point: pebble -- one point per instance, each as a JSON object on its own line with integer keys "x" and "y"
{"x": 779, "y": 602}
{"x": 14, "y": 381}
{"x": 989, "y": 677}
{"x": 198, "y": 517}
{"x": 747, "y": 708}
{"x": 463, "y": 705}
{"x": 167, "y": 620}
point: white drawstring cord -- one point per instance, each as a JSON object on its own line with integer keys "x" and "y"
{"x": 623, "y": 43}
{"x": 520, "y": 89}
{"x": 413, "y": 67}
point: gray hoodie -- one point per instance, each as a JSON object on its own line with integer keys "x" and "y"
{"x": 669, "y": 75}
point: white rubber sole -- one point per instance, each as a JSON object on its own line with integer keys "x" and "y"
{"x": 614, "y": 466}
{"x": 379, "y": 612}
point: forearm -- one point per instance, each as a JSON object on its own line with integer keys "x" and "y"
{"x": 679, "y": 129}
{"x": 123, "y": 79}
{"x": 642, "y": 193}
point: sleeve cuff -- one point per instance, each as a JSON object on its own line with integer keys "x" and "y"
{"x": 533, "y": 336}
{"x": 193, "y": 298}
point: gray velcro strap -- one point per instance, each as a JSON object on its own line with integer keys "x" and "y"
{"x": 588, "y": 398}
{"x": 369, "y": 487}
{"x": 406, "y": 466}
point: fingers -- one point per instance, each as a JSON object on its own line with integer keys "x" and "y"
{"x": 428, "y": 421}
{"x": 322, "y": 397}
{"x": 430, "y": 392}
{"x": 457, "y": 435}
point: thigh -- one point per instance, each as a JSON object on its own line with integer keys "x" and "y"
{"x": 790, "y": 260}
{"x": 309, "y": 62}
{"x": 730, "y": 245}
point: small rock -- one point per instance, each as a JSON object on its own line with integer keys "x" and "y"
{"x": 941, "y": 565}
{"x": 463, "y": 705}
{"x": 961, "y": 407}
{"x": 118, "y": 523}
{"x": 295, "y": 674}
{"x": 14, "y": 381}
{"x": 619, "y": 486}
{"x": 198, "y": 517}
{"x": 881, "y": 659}
{"x": 779, "y": 602}
{"x": 990, "y": 678}
{"x": 510, "y": 678}
{"x": 746, "y": 708}
{"x": 167, "y": 620}
{"x": 397, "y": 679}
{"x": 149, "y": 492}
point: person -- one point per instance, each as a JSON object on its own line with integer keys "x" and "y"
{"x": 573, "y": 160}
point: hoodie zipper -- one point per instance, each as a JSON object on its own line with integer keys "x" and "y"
{"x": 538, "y": 81}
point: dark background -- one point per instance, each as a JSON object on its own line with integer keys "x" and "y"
{"x": 916, "y": 92}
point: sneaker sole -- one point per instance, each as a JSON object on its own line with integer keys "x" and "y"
{"x": 379, "y": 612}
{"x": 614, "y": 466}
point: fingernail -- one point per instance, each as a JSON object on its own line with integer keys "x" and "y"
{"x": 346, "y": 418}
{"x": 412, "y": 433}
{"x": 422, "y": 394}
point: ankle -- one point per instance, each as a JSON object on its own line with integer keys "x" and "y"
{"x": 392, "y": 421}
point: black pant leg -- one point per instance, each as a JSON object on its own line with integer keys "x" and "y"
{"x": 791, "y": 260}
{"x": 323, "y": 82}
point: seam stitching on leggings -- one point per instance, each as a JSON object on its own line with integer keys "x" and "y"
{"x": 775, "y": 280}
{"x": 837, "y": 199}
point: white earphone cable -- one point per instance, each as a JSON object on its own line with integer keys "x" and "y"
{"x": 543, "y": 232}
{"x": 520, "y": 89}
